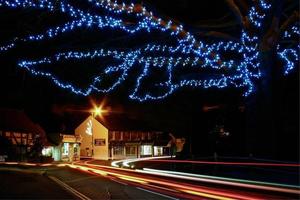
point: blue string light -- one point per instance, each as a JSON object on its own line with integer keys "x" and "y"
{"x": 289, "y": 55}
{"x": 188, "y": 52}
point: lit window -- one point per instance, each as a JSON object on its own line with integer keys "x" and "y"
{"x": 17, "y": 135}
{"x": 76, "y": 148}
{"x": 65, "y": 150}
{"x": 146, "y": 150}
{"x": 158, "y": 151}
{"x": 47, "y": 151}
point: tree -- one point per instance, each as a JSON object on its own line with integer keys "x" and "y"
{"x": 264, "y": 45}
{"x": 36, "y": 150}
{"x": 6, "y": 149}
{"x": 176, "y": 144}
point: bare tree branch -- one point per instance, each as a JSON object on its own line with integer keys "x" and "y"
{"x": 270, "y": 39}
{"x": 243, "y": 4}
{"x": 213, "y": 25}
{"x": 291, "y": 5}
{"x": 217, "y": 34}
{"x": 291, "y": 19}
{"x": 236, "y": 11}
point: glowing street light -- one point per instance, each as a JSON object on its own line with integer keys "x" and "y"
{"x": 97, "y": 111}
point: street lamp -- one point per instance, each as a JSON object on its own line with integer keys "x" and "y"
{"x": 96, "y": 112}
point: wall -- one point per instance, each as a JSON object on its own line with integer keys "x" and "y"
{"x": 56, "y": 153}
{"x": 90, "y": 129}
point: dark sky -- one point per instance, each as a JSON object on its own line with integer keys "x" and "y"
{"x": 52, "y": 106}
{"x": 38, "y": 95}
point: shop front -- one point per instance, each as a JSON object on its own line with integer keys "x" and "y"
{"x": 132, "y": 150}
{"x": 68, "y": 149}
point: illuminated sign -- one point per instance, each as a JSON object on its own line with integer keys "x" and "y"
{"x": 99, "y": 142}
{"x": 69, "y": 138}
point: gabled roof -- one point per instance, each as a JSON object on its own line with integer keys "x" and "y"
{"x": 93, "y": 120}
{"x": 111, "y": 121}
{"x": 123, "y": 123}
{"x": 18, "y": 121}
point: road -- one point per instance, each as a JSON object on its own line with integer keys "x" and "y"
{"x": 16, "y": 184}
{"x": 186, "y": 186}
{"x": 99, "y": 187}
{"x": 51, "y": 182}
{"x": 97, "y": 181}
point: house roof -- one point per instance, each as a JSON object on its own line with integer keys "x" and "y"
{"x": 18, "y": 121}
{"x": 123, "y": 123}
{"x": 112, "y": 121}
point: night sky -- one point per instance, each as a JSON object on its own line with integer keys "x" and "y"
{"x": 192, "y": 113}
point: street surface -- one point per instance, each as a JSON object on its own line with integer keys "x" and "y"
{"x": 96, "y": 180}
{"x": 35, "y": 183}
{"x": 192, "y": 187}
{"x": 25, "y": 185}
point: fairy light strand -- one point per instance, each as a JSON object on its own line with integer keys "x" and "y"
{"x": 188, "y": 52}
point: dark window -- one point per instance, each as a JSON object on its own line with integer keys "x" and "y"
{"x": 117, "y": 135}
{"x": 130, "y": 150}
{"x": 118, "y": 150}
{"x": 144, "y": 136}
{"x": 134, "y": 136}
{"x": 127, "y": 136}
{"x": 150, "y": 136}
{"x": 111, "y": 135}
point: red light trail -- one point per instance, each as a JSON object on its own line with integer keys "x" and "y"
{"x": 177, "y": 183}
{"x": 228, "y": 163}
{"x": 180, "y": 185}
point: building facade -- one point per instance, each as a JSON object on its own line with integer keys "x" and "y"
{"x": 99, "y": 142}
{"x": 68, "y": 148}
{"x": 17, "y": 128}
{"x": 94, "y": 139}
{"x": 135, "y": 144}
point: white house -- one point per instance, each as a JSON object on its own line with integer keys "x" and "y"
{"x": 115, "y": 141}
{"x": 94, "y": 139}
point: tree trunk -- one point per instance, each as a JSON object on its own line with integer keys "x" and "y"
{"x": 263, "y": 117}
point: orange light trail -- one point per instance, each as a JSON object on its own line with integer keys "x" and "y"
{"x": 216, "y": 180}
{"x": 172, "y": 184}
{"x": 158, "y": 182}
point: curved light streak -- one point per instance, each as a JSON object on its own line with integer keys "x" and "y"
{"x": 226, "y": 181}
{"x": 230, "y": 163}
{"x": 126, "y": 162}
{"x": 160, "y": 181}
